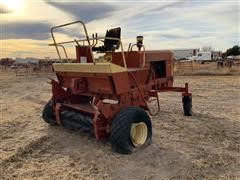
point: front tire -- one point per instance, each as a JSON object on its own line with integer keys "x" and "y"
{"x": 131, "y": 130}
{"x": 187, "y": 105}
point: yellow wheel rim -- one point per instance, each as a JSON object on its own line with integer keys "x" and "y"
{"x": 138, "y": 133}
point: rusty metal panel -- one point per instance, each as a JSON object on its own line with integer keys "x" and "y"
{"x": 100, "y": 85}
{"x": 162, "y": 55}
{"x": 134, "y": 59}
{"x": 83, "y": 53}
{"x": 121, "y": 82}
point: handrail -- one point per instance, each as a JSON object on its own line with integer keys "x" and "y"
{"x": 63, "y": 25}
{"x": 81, "y": 40}
{"x": 98, "y": 38}
{"x": 65, "y": 52}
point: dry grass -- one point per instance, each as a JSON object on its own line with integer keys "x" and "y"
{"x": 203, "y": 146}
{"x": 194, "y": 68}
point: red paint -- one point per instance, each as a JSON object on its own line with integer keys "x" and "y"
{"x": 85, "y": 92}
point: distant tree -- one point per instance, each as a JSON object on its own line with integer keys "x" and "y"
{"x": 234, "y": 51}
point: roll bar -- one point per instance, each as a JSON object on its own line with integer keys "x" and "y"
{"x": 98, "y": 38}
{"x": 94, "y": 40}
{"x": 63, "y": 25}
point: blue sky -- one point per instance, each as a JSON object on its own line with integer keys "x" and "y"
{"x": 164, "y": 24}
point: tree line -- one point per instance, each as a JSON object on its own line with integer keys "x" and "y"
{"x": 234, "y": 51}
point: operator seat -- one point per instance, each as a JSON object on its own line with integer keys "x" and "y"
{"x": 110, "y": 45}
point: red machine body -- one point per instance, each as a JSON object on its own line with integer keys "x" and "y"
{"x": 100, "y": 90}
{"x": 103, "y": 95}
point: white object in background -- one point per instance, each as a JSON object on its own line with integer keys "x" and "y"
{"x": 83, "y": 59}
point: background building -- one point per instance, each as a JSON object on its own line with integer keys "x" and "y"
{"x": 183, "y": 54}
{"x": 28, "y": 60}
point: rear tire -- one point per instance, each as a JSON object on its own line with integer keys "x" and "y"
{"x": 187, "y": 105}
{"x": 131, "y": 130}
{"x": 69, "y": 119}
{"x": 48, "y": 114}
{"x": 76, "y": 121}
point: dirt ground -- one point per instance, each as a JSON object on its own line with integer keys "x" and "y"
{"x": 203, "y": 146}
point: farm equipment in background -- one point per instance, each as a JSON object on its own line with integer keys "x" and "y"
{"x": 111, "y": 95}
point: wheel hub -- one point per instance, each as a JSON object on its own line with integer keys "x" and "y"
{"x": 138, "y": 133}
